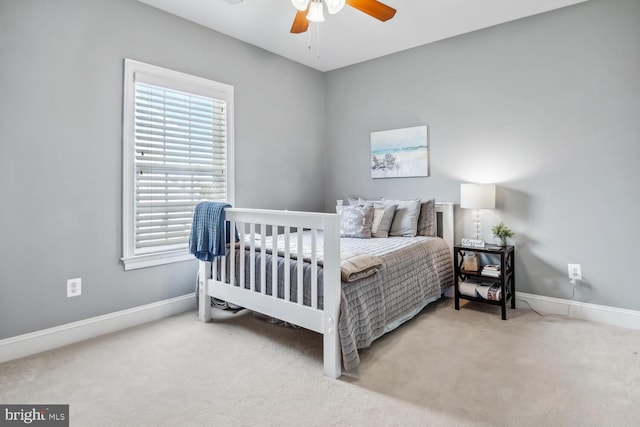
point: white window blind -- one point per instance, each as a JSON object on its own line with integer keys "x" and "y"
{"x": 180, "y": 161}
{"x": 177, "y": 139}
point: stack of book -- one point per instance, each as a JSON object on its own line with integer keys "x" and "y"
{"x": 491, "y": 270}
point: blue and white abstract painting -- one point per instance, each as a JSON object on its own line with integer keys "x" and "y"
{"x": 400, "y": 153}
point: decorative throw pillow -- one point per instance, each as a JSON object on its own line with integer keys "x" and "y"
{"x": 382, "y": 217}
{"x": 364, "y": 202}
{"x": 427, "y": 218}
{"x": 355, "y": 221}
{"x": 405, "y": 220}
{"x": 358, "y": 201}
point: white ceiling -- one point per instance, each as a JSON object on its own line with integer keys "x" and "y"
{"x": 350, "y": 36}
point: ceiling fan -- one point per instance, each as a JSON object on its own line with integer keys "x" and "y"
{"x": 311, "y": 10}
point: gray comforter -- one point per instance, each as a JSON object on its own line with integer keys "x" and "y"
{"x": 414, "y": 271}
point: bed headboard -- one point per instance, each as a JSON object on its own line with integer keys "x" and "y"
{"x": 444, "y": 222}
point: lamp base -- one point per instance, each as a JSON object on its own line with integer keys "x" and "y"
{"x": 473, "y": 243}
{"x": 477, "y": 221}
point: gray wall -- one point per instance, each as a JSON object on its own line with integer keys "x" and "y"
{"x": 546, "y": 107}
{"x": 60, "y": 148}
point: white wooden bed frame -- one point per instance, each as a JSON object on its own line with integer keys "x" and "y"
{"x": 323, "y": 321}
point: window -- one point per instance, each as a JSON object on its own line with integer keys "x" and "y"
{"x": 178, "y": 151}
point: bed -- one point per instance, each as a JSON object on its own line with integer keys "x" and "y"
{"x": 289, "y": 265}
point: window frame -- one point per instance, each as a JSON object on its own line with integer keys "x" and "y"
{"x": 173, "y": 80}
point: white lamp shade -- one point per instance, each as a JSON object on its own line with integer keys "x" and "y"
{"x": 316, "y": 13}
{"x": 334, "y": 6}
{"x": 478, "y": 196}
{"x": 300, "y": 4}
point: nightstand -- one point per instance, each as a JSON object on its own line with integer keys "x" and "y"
{"x": 493, "y": 284}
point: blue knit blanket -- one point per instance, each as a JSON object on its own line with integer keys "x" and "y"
{"x": 209, "y": 235}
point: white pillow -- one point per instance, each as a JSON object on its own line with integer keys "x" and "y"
{"x": 405, "y": 220}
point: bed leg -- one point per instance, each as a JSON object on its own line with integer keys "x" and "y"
{"x": 332, "y": 293}
{"x": 332, "y": 352}
{"x": 204, "y": 309}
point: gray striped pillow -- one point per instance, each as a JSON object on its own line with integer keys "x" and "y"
{"x": 427, "y": 218}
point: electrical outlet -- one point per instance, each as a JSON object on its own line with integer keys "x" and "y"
{"x": 575, "y": 272}
{"x": 74, "y": 287}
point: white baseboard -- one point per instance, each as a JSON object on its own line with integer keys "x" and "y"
{"x": 581, "y": 310}
{"x": 47, "y": 339}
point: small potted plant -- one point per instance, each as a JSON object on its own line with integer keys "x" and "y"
{"x": 501, "y": 232}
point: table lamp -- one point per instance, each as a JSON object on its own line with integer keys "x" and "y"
{"x": 477, "y": 197}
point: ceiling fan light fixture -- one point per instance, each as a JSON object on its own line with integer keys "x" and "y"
{"x": 300, "y": 4}
{"x": 316, "y": 13}
{"x": 334, "y": 6}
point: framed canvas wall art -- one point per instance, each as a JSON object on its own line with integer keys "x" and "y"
{"x": 400, "y": 153}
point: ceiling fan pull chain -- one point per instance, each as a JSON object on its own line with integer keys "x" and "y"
{"x": 318, "y": 39}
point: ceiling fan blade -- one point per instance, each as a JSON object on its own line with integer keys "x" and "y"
{"x": 300, "y": 22}
{"x": 373, "y": 8}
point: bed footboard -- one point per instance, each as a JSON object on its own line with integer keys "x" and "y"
{"x": 250, "y": 290}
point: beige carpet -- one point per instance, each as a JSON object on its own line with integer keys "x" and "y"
{"x": 444, "y": 368}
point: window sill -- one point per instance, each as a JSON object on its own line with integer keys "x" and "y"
{"x": 150, "y": 260}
